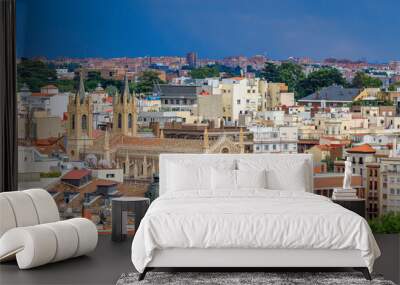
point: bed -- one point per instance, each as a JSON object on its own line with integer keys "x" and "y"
{"x": 247, "y": 210}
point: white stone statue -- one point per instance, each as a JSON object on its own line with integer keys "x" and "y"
{"x": 347, "y": 174}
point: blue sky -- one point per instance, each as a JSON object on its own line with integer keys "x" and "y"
{"x": 214, "y": 28}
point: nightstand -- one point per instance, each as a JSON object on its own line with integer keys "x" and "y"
{"x": 355, "y": 205}
{"x": 120, "y": 208}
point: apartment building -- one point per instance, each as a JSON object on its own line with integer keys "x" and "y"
{"x": 390, "y": 184}
{"x": 277, "y": 118}
{"x": 240, "y": 96}
{"x": 373, "y": 190}
{"x": 361, "y": 155}
{"x": 180, "y": 97}
{"x": 278, "y": 95}
{"x": 274, "y": 139}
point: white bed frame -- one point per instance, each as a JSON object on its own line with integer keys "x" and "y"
{"x": 250, "y": 258}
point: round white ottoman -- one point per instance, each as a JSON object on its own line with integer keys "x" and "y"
{"x": 51, "y": 242}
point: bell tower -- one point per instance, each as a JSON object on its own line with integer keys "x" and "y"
{"x": 124, "y": 112}
{"x": 79, "y": 123}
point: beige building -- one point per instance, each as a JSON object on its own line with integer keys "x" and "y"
{"x": 80, "y": 122}
{"x": 239, "y": 96}
{"x": 390, "y": 184}
{"x": 124, "y": 112}
{"x": 114, "y": 174}
{"x": 361, "y": 155}
{"x": 210, "y": 107}
{"x": 286, "y": 99}
{"x": 274, "y": 98}
{"x": 274, "y": 139}
{"x": 324, "y": 152}
{"x": 41, "y": 126}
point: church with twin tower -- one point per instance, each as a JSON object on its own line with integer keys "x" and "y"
{"x": 80, "y": 133}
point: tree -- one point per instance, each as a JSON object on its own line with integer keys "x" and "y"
{"x": 204, "y": 72}
{"x": 363, "y": 80}
{"x": 318, "y": 79}
{"x": 270, "y": 72}
{"x": 146, "y": 82}
{"x": 35, "y": 74}
{"x": 288, "y": 73}
{"x": 111, "y": 90}
{"x": 394, "y": 86}
{"x": 65, "y": 85}
{"x": 291, "y": 74}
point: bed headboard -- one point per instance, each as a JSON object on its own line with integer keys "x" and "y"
{"x": 210, "y": 159}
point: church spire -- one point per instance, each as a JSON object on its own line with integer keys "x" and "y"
{"x": 126, "y": 93}
{"x": 81, "y": 91}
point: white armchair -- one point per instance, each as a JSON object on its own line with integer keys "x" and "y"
{"x": 31, "y": 230}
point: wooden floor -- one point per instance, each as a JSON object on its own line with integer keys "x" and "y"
{"x": 103, "y": 266}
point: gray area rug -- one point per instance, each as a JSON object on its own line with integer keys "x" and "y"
{"x": 228, "y": 278}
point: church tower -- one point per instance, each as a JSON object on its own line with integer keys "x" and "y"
{"x": 124, "y": 112}
{"x": 80, "y": 123}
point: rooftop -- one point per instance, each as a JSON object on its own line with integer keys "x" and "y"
{"x": 333, "y": 93}
{"x": 365, "y": 148}
{"x": 76, "y": 174}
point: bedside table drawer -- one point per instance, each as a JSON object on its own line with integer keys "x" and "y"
{"x": 357, "y": 206}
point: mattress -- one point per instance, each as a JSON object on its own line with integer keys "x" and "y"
{"x": 250, "y": 219}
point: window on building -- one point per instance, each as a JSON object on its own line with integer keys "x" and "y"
{"x": 238, "y": 101}
{"x": 119, "y": 121}
{"x": 73, "y": 122}
{"x": 110, "y": 175}
{"x": 130, "y": 121}
{"x": 84, "y": 122}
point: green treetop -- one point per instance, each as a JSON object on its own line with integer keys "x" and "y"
{"x": 363, "y": 80}
{"x": 204, "y": 72}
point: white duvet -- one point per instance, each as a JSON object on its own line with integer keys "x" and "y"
{"x": 253, "y": 218}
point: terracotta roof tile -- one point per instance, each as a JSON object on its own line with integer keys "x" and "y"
{"x": 76, "y": 174}
{"x": 365, "y": 148}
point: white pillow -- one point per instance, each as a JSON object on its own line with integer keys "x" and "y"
{"x": 279, "y": 180}
{"x": 284, "y": 173}
{"x": 252, "y": 178}
{"x": 223, "y": 179}
{"x": 188, "y": 177}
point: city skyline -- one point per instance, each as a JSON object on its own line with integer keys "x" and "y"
{"x": 277, "y": 30}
